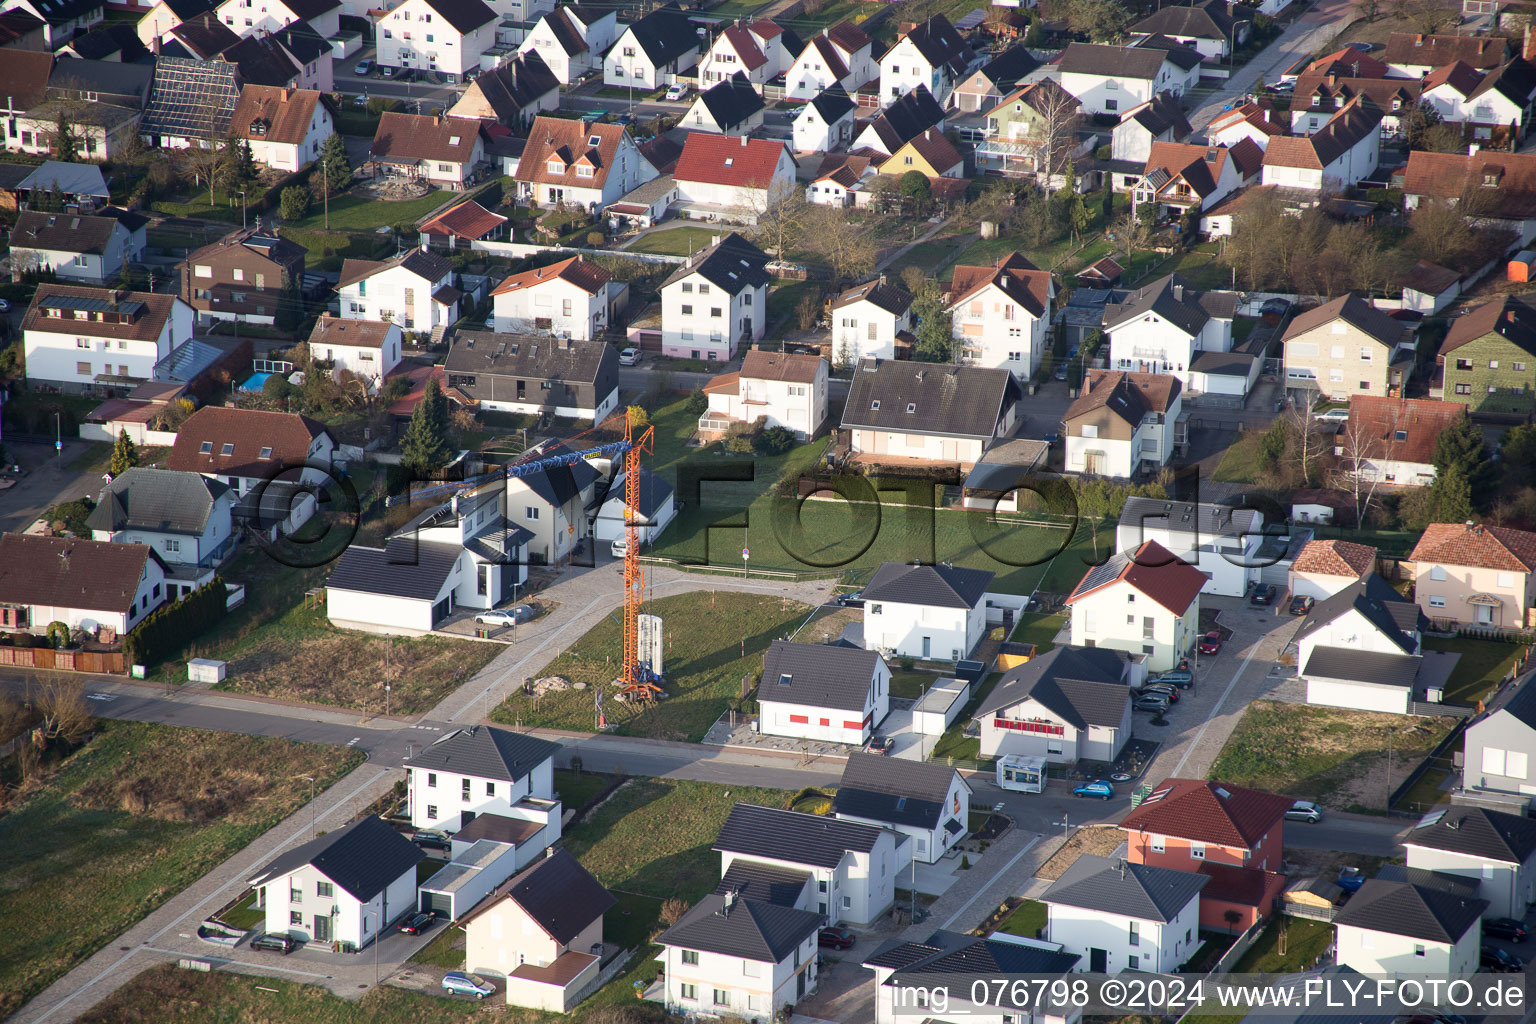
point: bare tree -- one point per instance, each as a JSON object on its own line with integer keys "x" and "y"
{"x": 1058, "y": 114}
{"x": 1307, "y": 444}
{"x": 848, "y": 246}
{"x": 1359, "y": 448}
{"x": 211, "y": 153}
{"x": 66, "y": 715}
{"x": 782, "y": 219}
{"x": 1132, "y": 233}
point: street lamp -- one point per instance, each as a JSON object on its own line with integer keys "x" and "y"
{"x": 311, "y": 780}
{"x": 58, "y": 435}
{"x": 242, "y": 210}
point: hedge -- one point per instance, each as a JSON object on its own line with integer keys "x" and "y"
{"x": 169, "y": 629}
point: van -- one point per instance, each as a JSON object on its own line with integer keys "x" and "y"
{"x": 620, "y": 547}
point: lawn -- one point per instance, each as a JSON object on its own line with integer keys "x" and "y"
{"x": 1039, "y": 630}
{"x": 345, "y": 244}
{"x": 1483, "y": 665}
{"x": 654, "y": 836}
{"x": 954, "y": 743}
{"x": 244, "y": 914}
{"x": 355, "y": 212}
{"x": 97, "y": 457}
{"x": 1240, "y": 465}
{"x": 706, "y": 635}
{"x": 225, "y": 205}
{"x": 676, "y": 241}
{"x": 128, "y": 821}
{"x": 575, "y": 790}
{"x": 1305, "y": 941}
{"x": 171, "y": 238}
{"x": 446, "y": 950}
{"x": 910, "y": 685}
{"x": 1027, "y": 919}
{"x": 1335, "y": 757}
{"x": 733, "y": 9}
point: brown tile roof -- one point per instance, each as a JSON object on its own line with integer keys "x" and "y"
{"x": 1482, "y": 547}
{"x": 24, "y": 77}
{"x": 411, "y": 137}
{"x": 1019, "y": 279}
{"x": 1481, "y": 52}
{"x": 564, "y": 970}
{"x": 745, "y": 45}
{"x": 66, "y": 573}
{"x": 467, "y": 220}
{"x": 1250, "y": 113}
{"x": 1460, "y": 76}
{"x": 63, "y": 232}
{"x": 848, "y": 37}
{"x": 428, "y": 266}
{"x": 1208, "y": 812}
{"x": 1429, "y": 278}
{"x": 577, "y": 270}
{"x": 1509, "y": 318}
{"x": 788, "y": 366}
{"x": 1234, "y": 883}
{"x": 889, "y": 297}
{"x": 1128, "y": 395}
{"x": 1383, "y": 92}
{"x": 145, "y": 326}
{"x": 1153, "y": 570}
{"x": 1353, "y": 122}
{"x": 572, "y": 142}
{"x": 1198, "y": 166}
{"x": 274, "y": 115}
{"x": 1510, "y": 178}
{"x": 1421, "y": 419}
{"x": 1353, "y": 310}
{"x": 250, "y": 432}
{"x": 934, "y": 148}
{"x": 333, "y": 330}
{"x": 1335, "y": 558}
{"x": 723, "y": 384}
{"x": 844, "y": 168}
{"x": 1351, "y": 62}
{"x": 727, "y": 160}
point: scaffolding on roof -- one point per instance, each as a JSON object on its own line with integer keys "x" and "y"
{"x": 191, "y": 99}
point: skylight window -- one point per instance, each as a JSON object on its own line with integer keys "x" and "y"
{"x": 206, "y": 448}
{"x": 595, "y": 140}
{"x": 729, "y": 161}
{"x": 453, "y": 140}
{"x": 911, "y": 407}
{"x": 266, "y": 452}
{"x": 228, "y": 449}
{"x": 874, "y": 406}
{"x": 785, "y": 679}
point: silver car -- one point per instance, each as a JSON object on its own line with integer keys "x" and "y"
{"x": 1305, "y": 810}
{"x": 513, "y": 616}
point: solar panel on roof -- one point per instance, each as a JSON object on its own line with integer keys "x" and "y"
{"x": 1429, "y": 819}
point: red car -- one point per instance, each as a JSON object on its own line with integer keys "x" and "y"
{"x": 835, "y": 938}
{"x": 1210, "y": 643}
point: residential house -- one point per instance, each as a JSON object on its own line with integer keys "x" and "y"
{"x": 572, "y": 298}
{"x": 1347, "y": 347}
{"x": 1244, "y": 121}
{"x": 1336, "y": 156}
{"x": 1345, "y": 62}
{"x": 1159, "y": 119}
{"x": 1154, "y": 592}
{"x": 308, "y": 44}
{"x": 1488, "y": 358}
{"x": 901, "y": 121}
{"x": 760, "y": 50}
{"x": 739, "y": 956}
{"x": 1494, "y": 849}
{"x": 1476, "y": 575}
{"x": 443, "y": 151}
{"x": 163, "y": 15}
{"x": 62, "y": 19}
{"x": 854, "y": 865}
{"x": 446, "y": 36}
{"x": 985, "y": 87}
{"x": 85, "y": 340}
{"x": 191, "y": 101}
{"x": 347, "y": 886}
{"x": 1403, "y": 928}
{"x": 542, "y": 932}
{"x": 776, "y": 389}
{"x": 368, "y": 348}
{"x": 248, "y": 449}
{"x": 1000, "y": 315}
{"x": 825, "y": 123}
{"x": 1317, "y": 96}
{"x": 1212, "y": 28}
{"x": 1119, "y": 916}
{"x": 1232, "y": 834}
{"x": 258, "y": 60}
{"x": 185, "y": 518}
{"x": 902, "y": 967}
{"x": 868, "y": 320}
{"x": 931, "y": 54}
{"x": 931, "y": 803}
{"x": 530, "y": 373}
{"x": 24, "y": 85}
{"x": 1167, "y": 327}
{"x": 929, "y": 412}
{"x": 840, "y": 55}
{"x": 653, "y": 511}
{"x": 1392, "y": 440}
{"x": 85, "y": 248}
{"x": 465, "y": 224}
{"x": 1031, "y": 129}
{"x": 1181, "y": 178}
{"x": 730, "y": 107}
{"x": 1415, "y": 54}
{"x": 738, "y": 176}
{"x": 931, "y": 154}
{"x": 1221, "y": 541}
{"x": 552, "y": 505}
{"x": 1360, "y": 649}
{"x": 413, "y": 290}
{"x": 1428, "y": 287}
{"x": 1325, "y": 567}
{"x": 571, "y": 40}
{"x": 23, "y": 31}
{"x": 819, "y": 692}
{"x": 1113, "y": 79}
{"x": 717, "y": 300}
{"x": 1068, "y": 704}
{"x": 1121, "y": 425}
{"x": 840, "y": 180}
{"x": 284, "y": 127}
{"x": 933, "y": 612}
{"x": 654, "y": 51}
{"x": 478, "y": 770}
{"x": 1504, "y": 184}
{"x": 1493, "y": 107}
{"x": 103, "y": 100}
{"x": 80, "y": 185}
{"x": 577, "y": 163}
{"x": 247, "y": 276}
{"x": 197, "y": 38}
{"x": 512, "y": 93}
{"x": 1500, "y": 746}
{"x": 247, "y": 18}
{"x": 85, "y": 584}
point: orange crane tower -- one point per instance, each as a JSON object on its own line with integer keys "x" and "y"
{"x": 639, "y": 683}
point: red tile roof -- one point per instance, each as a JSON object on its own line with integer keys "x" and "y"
{"x": 250, "y": 431}
{"x": 1208, "y": 812}
{"x": 1154, "y": 571}
{"x": 1482, "y": 547}
{"x": 1350, "y": 62}
{"x": 467, "y": 220}
{"x": 572, "y": 142}
{"x": 587, "y": 276}
{"x": 1460, "y": 76}
{"x": 1349, "y": 125}
{"x": 745, "y": 44}
{"x": 1421, "y": 419}
{"x": 1335, "y": 558}
{"x": 1510, "y": 178}
{"x": 1018, "y": 278}
{"x": 934, "y": 148}
{"x": 848, "y": 37}
{"x": 729, "y": 160}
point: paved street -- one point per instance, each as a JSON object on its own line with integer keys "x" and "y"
{"x": 48, "y": 482}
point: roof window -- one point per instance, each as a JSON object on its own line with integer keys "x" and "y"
{"x": 874, "y": 406}
{"x": 228, "y": 449}
{"x": 453, "y": 140}
{"x": 206, "y": 448}
{"x": 266, "y": 452}
{"x": 911, "y": 407}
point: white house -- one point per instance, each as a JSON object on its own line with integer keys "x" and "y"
{"x": 572, "y": 40}
{"x": 931, "y": 54}
{"x": 1162, "y": 327}
{"x": 1117, "y": 916}
{"x": 414, "y": 291}
{"x": 841, "y": 55}
{"x": 1489, "y": 103}
{"x": 908, "y": 410}
{"x": 574, "y": 162}
{"x": 1335, "y": 157}
{"x": 1398, "y": 928}
{"x": 1392, "y": 440}
{"x": 1222, "y": 542}
{"x": 854, "y": 865}
{"x": 867, "y": 321}
{"x": 1416, "y": 54}
{"x": 904, "y": 967}
{"x": 1494, "y": 849}
{"x": 185, "y": 518}
{"x": 783, "y": 389}
{"x": 84, "y": 248}
{"x": 1145, "y": 601}
{"x": 1181, "y": 178}
{"x": 80, "y": 339}
{"x": 902, "y": 120}
{"x": 1244, "y": 121}
{"x": 1212, "y": 28}
{"x": 731, "y": 107}
{"x": 570, "y": 298}
{"x": 1325, "y": 567}
{"x": 1067, "y": 704}
{"x": 552, "y": 505}
{"x": 651, "y": 514}
{"x": 1001, "y": 314}
{"x": 1113, "y": 79}
{"x": 925, "y": 611}
{"x": 84, "y": 584}
{"x": 732, "y": 174}
{"x": 1122, "y": 423}
{"x": 446, "y": 36}
{"x": 535, "y": 374}
{"x": 930, "y": 803}
{"x": 716, "y": 301}
{"x": 755, "y": 50}
{"x": 1500, "y": 746}
{"x": 368, "y": 348}
{"x": 819, "y": 692}
{"x": 1361, "y": 649}
{"x": 840, "y": 180}
{"x": 653, "y": 52}
{"x": 477, "y": 770}
{"x": 254, "y": 17}
{"x": 825, "y": 123}
{"x": 1159, "y": 119}
{"x": 284, "y": 127}
{"x": 347, "y": 886}
{"x": 442, "y": 151}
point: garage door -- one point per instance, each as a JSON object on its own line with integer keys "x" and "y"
{"x": 439, "y": 903}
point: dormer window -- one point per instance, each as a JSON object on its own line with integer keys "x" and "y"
{"x": 556, "y": 167}
{"x": 584, "y": 171}
{"x": 1491, "y": 180}
{"x": 1317, "y": 101}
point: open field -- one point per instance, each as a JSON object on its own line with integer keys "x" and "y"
{"x": 357, "y": 212}
{"x": 575, "y": 790}
{"x": 1335, "y": 757}
{"x": 128, "y": 821}
{"x": 706, "y": 635}
{"x": 1483, "y": 664}
{"x": 676, "y": 241}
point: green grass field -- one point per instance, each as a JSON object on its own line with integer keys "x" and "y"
{"x": 1305, "y": 941}
{"x": 676, "y": 241}
{"x": 1483, "y": 664}
{"x": 575, "y": 790}
{"x": 1027, "y": 919}
{"x": 355, "y": 212}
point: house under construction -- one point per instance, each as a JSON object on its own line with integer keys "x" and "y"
{"x": 191, "y": 103}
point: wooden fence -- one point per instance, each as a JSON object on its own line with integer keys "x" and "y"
{"x": 63, "y": 661}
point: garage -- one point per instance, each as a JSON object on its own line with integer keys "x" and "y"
{"x": 467, "y": 879}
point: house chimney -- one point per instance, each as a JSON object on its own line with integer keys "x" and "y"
{"x": 1528, "y": 46}
{"x": 743, "y": 142}
{"x": 1509, "y": 315}
{"x": 1469, "y": 524}
{"x": 1178, "y": 293}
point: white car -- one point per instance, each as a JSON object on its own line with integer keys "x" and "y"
{"x": 619, "y": 548}
{"x": 676, "y": 92}
{"x": 505, "y": 616}
{"x": 1332, "y": 416}
{"x": 629, "y": 356}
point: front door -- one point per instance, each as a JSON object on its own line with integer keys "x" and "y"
{"x": 1098, "y": 961}
{"x": 322, "y": 930}
{"x": 927, "y": 645}
{"x": 1484, "y": 615}
{"x": 1093, "y": 463}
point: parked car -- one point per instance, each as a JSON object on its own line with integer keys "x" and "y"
{"x": 1183, "y": 678}
{"x": 1155, "y": 702}
{"x": 364, "y": 67}
{"x": 1098, "y": 788}
{"x": 835, "y": 938}
{"x": 1332, "y": 416}
{"x": 1500, "y": 961}
{"x": 881, "y": 744}
{"x": 276, "y": 942}
{"x": 1264, "y": 593}
{"x": 676, "y": 91}
{"x": 619, "y": 548}
{"x": 1505, "y": 928}
{"x": 853, "y": 600}
{"x": 1166, "y": 689}
{"x": 518, "y": 613}
{"x": 1301, "y": 605}
{"x": 490, "y": 322}
{"x": 1210, "y": 643}
{"x": 1052, "y": 439}
{"x": 1304, "y": 810}
{"x": 1350, "y": 879}
{"x": 416, "y": 923}
{"x": 1282, "y": 87}
{"x": 1060, "y": 372}
{"x": 629, "y": 356}
{"x": 432, "y": 839}
{"x": 360, "y": 101}
{"x": 463, "y": 984}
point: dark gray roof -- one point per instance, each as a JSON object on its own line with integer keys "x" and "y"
{"x": 907, "y": 117}
{"x": 1206, "y": 519}
{"x": 159, "y": 500}
{"x": 301, "y": 41}
{"x": 464, "y": 15}
{"x": 832, "y": 103}
{"x": 768, "y": 833}
{"x": 263, "y": 61}
{"x": 1373, "y": 597}
{"x": 762, "y": 932}
{"x": 498, "y": 828}
{"x": 70, "y": 179}
{"x": 517, "y": 84}
{"x": 1005, "y": 70}
{"x": 1362, "y": 666}
{"x": 1163, "y": 113}
{"x": 62, "y": 12}
{"x": 951, "y": 953}
{"x": 1476, "y": 832}
{"x": 665, "y": 34}
{"x": 655, "y": 492}
{"x": 559, "y": 484}
{"x": 1230, "y": 364}
{"x": 1136, "y": 890}
{"x": 486, "y": 752}
{"x": 1197, "y": 21}
{"x": 363, "y": 858}
{"x": 1179, "y": 55}
{"x": 530, "y": 356}
{"x": 104, "y": 41}
{"x": 764, "y": 883}
{"x": 1172, "y": 299}
{"x": 955, "y": 401}
{"x": 63, "y": 232}
{"x": 731, "y": 102}
{"x": 1519, "y": 700}
{"x": 1459, "y": 885}
{"x": 560, "y": 895}
{"x": 1415, "y": 911}
{"x": 1118, "y": 61}
{"x": 404, "y": 568}
{"x": 733, "y": 263}
{"x": 1081, "y": 685}
{"x": 894, "y": 790}
{"x": 889, "y": 297}
{"x": 939, "y": 43}
{"x": 817, "y": 676}
{"x": 942, "y": 586}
